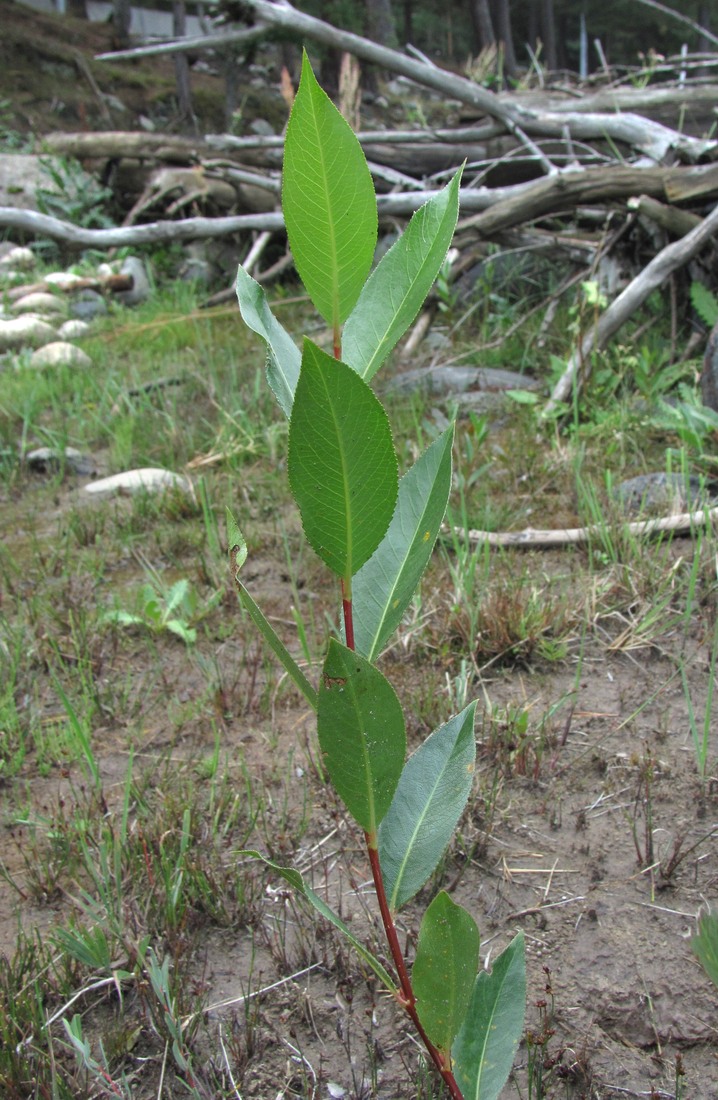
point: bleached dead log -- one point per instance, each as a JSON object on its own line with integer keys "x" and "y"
{"x": 670, "y": 259}
{"x": 571, "y": 536}
{"x": 188, "y": 45}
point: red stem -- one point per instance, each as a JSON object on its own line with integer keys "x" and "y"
{"x": 407, "y": 998}
{"x": 348, "y": 619}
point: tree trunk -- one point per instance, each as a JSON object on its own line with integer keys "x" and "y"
{"x": 483, "y": 27}
{"x": 184, "y": 95}
{"x": 548, "y": 34}
{"x": 502, "y": 23}
{"x": 380, "y": 23}
{"x": 122, "y": 18}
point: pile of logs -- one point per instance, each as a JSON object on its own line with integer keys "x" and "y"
{"x": 548, "y": 169}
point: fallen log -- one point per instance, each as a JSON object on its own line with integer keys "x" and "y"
{"x": 532, "y": 537}
{"x": 651, "y": 138}
{"x": 674, "y": 256}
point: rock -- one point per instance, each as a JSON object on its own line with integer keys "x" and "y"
{"x": 453, "y": 380}
{"x": 21, "y": 175}
{"x": 18, "y": 259}
{"x": 28, "y": 331}
{"x": 670, "y": 492}
{"x": 87, "y": 305}
{"x": 196, "y": 270}
{"x": 261, "y": 127}
{"x": 141, "y": 289}
{"x": 40, "y": 302}
{"x": 148, "y": 478}
{"x": 73, "y": 330}
{"x": 44, "y": 459}
{"x": 60, "y": 354}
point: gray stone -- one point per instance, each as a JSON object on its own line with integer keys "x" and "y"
{"x": 141, "y": 289}
{"x": 21, "y": 174}
{"x": 261, "y": 127}
{"x": 60, "y": 354}
{"x": 22, "y": 332}
{"x": 40, "y": 302}
{"x": 46, "y": 459}
{"x": 673, "y": 492}
{"x": 18, "y": 258}
{"x": 87, "y": 305}
{"x": 447, "y": 381}
{"x": 73, "y": 330}
{"x": 149, "y": 479}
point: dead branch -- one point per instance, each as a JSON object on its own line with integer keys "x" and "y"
{"x": 572, "y": 536}
{"x": 670, "y": 259}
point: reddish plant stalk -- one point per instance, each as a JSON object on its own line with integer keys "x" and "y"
{"x": 348, "y": 619}
{"x": 407, "y": 998}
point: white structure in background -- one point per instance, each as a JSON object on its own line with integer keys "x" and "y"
{"x": 146, "y": 22}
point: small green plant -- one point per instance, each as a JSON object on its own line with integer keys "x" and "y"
{"x": 375, "y": 533}
{"x": 163, "y": 608}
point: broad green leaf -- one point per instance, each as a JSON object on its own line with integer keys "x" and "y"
{"x": 396, "y": 289}
{"x": 328, "y": 202}
{"x": 705, "y": 945}
{"x": 295, "y": 880}
{"x": 383, "y": 587}
{"x": 283, "y": 357}
{"x": 444, "y": 971}
{"x": 484, "y": 1050}
{"x": 429, "y": 800}
{"x": 361, "y": 733}
{"x": 341, "y": 462}
{"x": 237, "y": 558}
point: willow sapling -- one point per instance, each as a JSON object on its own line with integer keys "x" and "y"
{"x": 375, "y": 533}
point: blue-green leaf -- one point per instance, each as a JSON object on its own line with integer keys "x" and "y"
{"x": 361, "y": 733}
{"x": 431, "y": 795}
{"x": 484, "y": 1050}
{"x": 384, "y": 586}
{"x": 283, "y": 357}
{"x": 444, "y": 971}
{"x": 396, "y": 289}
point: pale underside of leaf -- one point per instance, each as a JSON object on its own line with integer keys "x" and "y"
{"x": 283, "y": 356}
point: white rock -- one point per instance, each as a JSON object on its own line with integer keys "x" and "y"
{"x": 73, "y": 330}
{"x": 40, "y": 302}
{"x": 60, "y": 354}
{"x": 104, "y": 271}
{"x": 19, "y": 258}
{"x": 64, "y": 280}
{"x": 27, "y": 331}
{"x": 148, "y": 478}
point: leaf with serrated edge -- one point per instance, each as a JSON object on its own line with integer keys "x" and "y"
{"x": 444, "y": 971}
{"x": 328, "y": 202}
{"x": 283, "y": 356}
{"x": 384, "y": 586}
{"x": 295, "y": 880}
{"x": 396, "y": 289}
{"x": 429, "y": 800}
{"x": 341, "y": 462}
{"x": 484, "y": 1050}
{"x": 361, "y": 733}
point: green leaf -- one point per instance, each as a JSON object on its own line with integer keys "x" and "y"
{"x": 237, "y": 558}
{"x": 705, "y": 945}
{"x": 341, "y": 462}
{"x": 444, "y": 971}
{"x": 295, "y": 880}
{"x": 361, "y": 733}
{"x": 395, "y": 291}
{"x": 328, "y": 202}
{"x": 283, "y": 357}
{"x": 485, "y": 1048}
{"x": 429, "y": 800}
{"x": 384, "y": 586}
{"x": 704, "y": 303}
